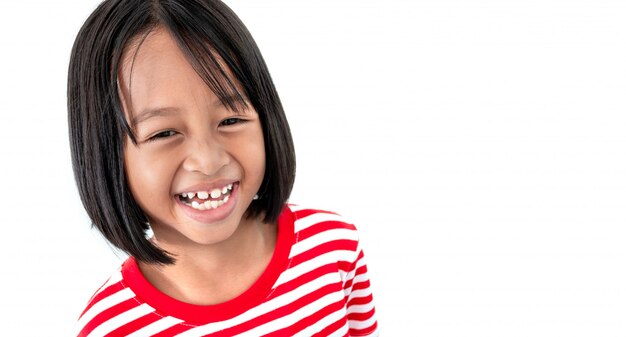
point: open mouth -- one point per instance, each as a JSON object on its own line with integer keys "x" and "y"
{"x": 207, "y": 200}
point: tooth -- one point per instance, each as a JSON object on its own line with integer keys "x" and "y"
{"x": 220, "y": 203}
{"x": 230, "y": 186}
{"x": 216, "y": 193}
{"x": 195, "y": 204}
{"x": 207, "y": 204}
{"x": 214, "y": 203}
{"x": 225, "y": 190}
{"x": 226, "y": 198}
{"x": 184, "y": 195}
{"x": 201, "y": 207}
{"x": 203, "y": 195}
{"x": 191, "y": 195}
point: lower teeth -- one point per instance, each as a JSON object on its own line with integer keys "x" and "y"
{"x": 209, "y": 204}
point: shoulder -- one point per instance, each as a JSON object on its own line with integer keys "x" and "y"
{"x": 111, "y": 294}
{"x": 315, "y": 227}
{"x": 324, "y": 220}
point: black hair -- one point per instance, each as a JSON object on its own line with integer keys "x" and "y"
{"x": 205, "y": 31}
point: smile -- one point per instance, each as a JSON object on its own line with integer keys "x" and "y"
{"x": 207, "y": 200}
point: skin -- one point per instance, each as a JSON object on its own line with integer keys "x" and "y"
{"x": 198, "y": 141}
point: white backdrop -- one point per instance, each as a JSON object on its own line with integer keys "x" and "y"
{"x": 479, "y": 146}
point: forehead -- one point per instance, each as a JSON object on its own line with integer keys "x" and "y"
{"x": 152, "y": 68}
{"x": 154, "y": 71}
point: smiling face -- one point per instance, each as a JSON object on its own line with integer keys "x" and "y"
{"x": 197, "y": 164}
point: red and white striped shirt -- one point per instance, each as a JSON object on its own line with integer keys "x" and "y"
{"x": 316, "y": 284}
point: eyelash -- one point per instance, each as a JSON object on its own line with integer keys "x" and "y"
{"x": 162, "y": 134}
{"x": 169, "y": 133}
{"x": 235, "y": 119}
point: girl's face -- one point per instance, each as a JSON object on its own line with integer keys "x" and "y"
{"x": 197, "y": 164}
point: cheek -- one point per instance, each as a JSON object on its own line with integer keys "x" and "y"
{"x": 149, "y": 176}
{"x": 257, "y": 156}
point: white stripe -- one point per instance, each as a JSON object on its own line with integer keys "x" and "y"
{"x": 347, "y": 276}
{"x": 361, "y": 308}
{"x": 315, "y": 218}
{"x": 359, "y": 278}
{"x": 363, "y": 277}
{"x": 362, "y": 324}
{"x": 104, "y": 304}
{"x": 323, "y": 323}
{"x": 360, "y": 262}
{"x": 360, "y": 293}
{"x": 266, "y": 307}
{"x": 156, "y": 327}
{"x": 351, "y": 274}
{"x": 295, "y": 316}
{"x": 357, "y": 293}
{"x": 307, "y": 266}
{"x": 343, "y": 331}
{"x": 121, "y": 319}
{"x": 323, "y": 237}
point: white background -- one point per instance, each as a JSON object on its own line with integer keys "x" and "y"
{"x": 479, "y": 146}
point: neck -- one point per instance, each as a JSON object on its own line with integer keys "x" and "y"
{"x": 211, "y": 274}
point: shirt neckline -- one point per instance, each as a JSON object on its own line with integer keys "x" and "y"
{"x": 202, "y": 314}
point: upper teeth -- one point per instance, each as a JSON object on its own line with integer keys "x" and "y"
{"x": 214, "y": 193}
{"x": 203, "y": 195}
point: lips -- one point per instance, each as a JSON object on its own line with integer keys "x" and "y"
{"x": 209, "y": 203}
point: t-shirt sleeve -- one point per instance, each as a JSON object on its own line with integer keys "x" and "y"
{"x": 359, "y": 300}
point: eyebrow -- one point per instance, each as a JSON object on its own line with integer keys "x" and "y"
{"x": 168, "y": 111}
{"x": 155, "y": 112}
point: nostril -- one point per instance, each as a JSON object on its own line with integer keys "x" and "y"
{"x": 206, "y": 157}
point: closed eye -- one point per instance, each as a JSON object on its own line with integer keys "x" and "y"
{"x": 162, "y": 134}
{"x": 232, "y": 121}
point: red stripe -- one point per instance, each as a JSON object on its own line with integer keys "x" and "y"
{"x": 361, "y": 316}
{"x": 135, "y": 325}
{"x": 323, "y": 248}
{"x": 303, "y": 213}
{"x": 107, "y": 314}
{"x": 280, "y": 312}
{"x": 323, "y": 226}
{"x": 361, "y": 270}
{"x": 360, "y": 300}
{"x": 308, "y": 321}
{"x": 361, "y": 285}
{"x": 348, "y": 284}
{"x": 173, "y": 330}
{"x": 99, "y": 296}
{"x": 346, "y": 266}
{"x": 350, "y": 266}
{"x": 332, "y": 328}
{"x": 303, "y": 279}
{"x": 364, "y": 331}
{"x": 358, "y": 272}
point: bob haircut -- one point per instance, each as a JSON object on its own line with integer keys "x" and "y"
{"x": 214, "y": 41}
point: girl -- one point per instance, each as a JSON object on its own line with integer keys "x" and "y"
{"x": 184, "y": 159}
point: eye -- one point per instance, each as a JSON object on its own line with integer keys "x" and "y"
{"x": 231, "y": 121}
{"x": 162, "y": 134}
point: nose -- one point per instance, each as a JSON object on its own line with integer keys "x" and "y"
{"x": 205, "y": 156}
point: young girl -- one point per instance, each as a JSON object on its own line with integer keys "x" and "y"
{"x": 184, "y": 159}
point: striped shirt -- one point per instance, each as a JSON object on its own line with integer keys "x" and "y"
{"x": 316, "y": 284}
